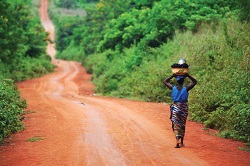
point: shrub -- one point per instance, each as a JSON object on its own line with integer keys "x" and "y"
{"x": 237, "y": 124}
{"x": 222, "y": 60}
{"x": 11, "y": 108}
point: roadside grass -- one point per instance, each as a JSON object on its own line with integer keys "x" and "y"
{"x": 28, "y": 112}
{"x": 247, "y": 148}
{"x": 35, "y": 139}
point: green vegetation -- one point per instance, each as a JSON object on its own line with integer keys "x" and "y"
{"x": 247, "y": 148}
{"x": 129, "y": 47}
{"x": 23, "y": 42}
{"x": 22, "y": 56}
{"x": 11, "y": 108}
{"x": 35, "y": 139}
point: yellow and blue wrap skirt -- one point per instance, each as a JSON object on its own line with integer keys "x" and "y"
{"x": 178, "y": 116}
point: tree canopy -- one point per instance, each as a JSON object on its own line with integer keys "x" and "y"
{"x": 22, "y": 39}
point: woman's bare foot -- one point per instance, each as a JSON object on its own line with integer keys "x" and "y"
{"x": 177, "y": 145}
{"x": 177, "y": 142}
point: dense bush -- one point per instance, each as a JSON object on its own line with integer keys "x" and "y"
{"x": 222, "y": 67}
{"x": 11, "y": 108}
{"x": 30, "y": 68}
{"x": 238, "y": 125}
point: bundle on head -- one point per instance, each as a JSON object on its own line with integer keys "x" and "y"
{"x": 176, "y": 65}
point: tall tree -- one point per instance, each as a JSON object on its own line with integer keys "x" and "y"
{"x": 11, "y": 32}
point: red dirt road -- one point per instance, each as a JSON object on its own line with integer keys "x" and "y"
{"x": 77, "y": 128}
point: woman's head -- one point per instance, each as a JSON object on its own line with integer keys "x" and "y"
{"x": 180, "y": 80}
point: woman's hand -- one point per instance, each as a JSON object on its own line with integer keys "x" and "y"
{"x": 194, "y": 82}
{"x": 186, "y": 75}
{"x": 167, "y": 83}
{"x": 174, "y": 75}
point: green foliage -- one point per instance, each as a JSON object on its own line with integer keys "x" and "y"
{"x": 145, "y": 84}
{"x": 25, "y": 35}
{"x": 236, "y": 122}
{"x": 22, "y": 39}
{"x": 224, "y": 65}
{"x": 140, "y": 4}
{"x": 11, "y": 108}
{"x": 121, "y": 24}
{"x": 144, "y": 27}
{"x": 102, "y": 63}
{"x": 244, "y": 7}
{"x": 35, "y": 139}
{"x": 72, "y": 53}
{"x": 223, "y": 71}
{"x": 22, "y": 56}
{"x": 65, "y": 32}
{"x": 154, "y": 26}
{"x": 66, "y": 3}
{"x": 72, "y": 4}
{"x": 9, "y": 46}
{"x": 30, "y": 68}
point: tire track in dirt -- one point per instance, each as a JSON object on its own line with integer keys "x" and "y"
{"x": 99, "y": 141}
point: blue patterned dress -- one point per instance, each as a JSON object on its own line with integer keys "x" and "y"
{"x": 179, "y": 110}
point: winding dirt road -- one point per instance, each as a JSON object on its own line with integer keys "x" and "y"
{"x": 76, "y": 128}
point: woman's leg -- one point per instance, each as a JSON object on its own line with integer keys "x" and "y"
{"x": 177, "y": 142}
{"x": 183, "y": 132}
{"x": 182, "y": 141}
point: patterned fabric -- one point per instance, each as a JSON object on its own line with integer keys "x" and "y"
{"x": 178, "y": 116}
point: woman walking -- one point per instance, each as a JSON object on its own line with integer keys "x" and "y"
{"x": 179, "y": 107}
